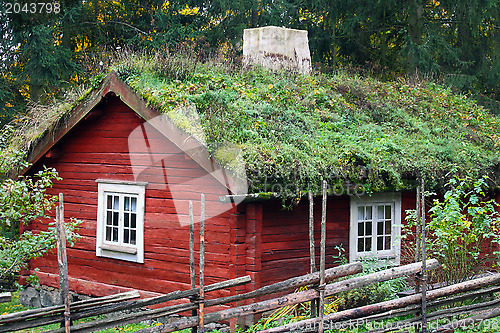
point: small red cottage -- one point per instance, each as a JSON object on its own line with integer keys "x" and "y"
{"x": 129, "y": 179}
{"x": 129, "y": 175}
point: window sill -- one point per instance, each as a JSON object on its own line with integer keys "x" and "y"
{"x": 380, "y": 261}
{"x": 119, "y": 248}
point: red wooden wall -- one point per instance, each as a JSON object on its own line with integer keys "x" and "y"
{"x": 99, "y": 149}
{"x": 285, "y": 235}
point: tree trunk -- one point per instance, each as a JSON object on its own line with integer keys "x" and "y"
{"x": 415, "y": 31}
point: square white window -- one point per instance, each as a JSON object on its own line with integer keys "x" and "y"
{"x": 120, "y": 220}
{"x": 375, "y": 227}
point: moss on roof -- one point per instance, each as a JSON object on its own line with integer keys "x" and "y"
{"x": 298, "y": 129}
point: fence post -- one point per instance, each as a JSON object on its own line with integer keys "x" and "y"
{"x": 424, "y": 257}
{"x": 62, "y": 261}
{"x": 202, "y": 263}
{"x": 322, "y": 262}
{"x": 311, "y": 248}
{"x": 192, "y": 273}
{"x": 418, "y": 237}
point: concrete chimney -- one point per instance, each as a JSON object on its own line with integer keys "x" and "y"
{"x": 277, "y": 48}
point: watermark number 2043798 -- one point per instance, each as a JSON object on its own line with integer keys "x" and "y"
{"x": 31, "y": 8}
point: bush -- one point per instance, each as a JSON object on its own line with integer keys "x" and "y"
{"x": 374, "y": 293}
{"x": 463, "y": 231}
{"x": 22, "y": 200}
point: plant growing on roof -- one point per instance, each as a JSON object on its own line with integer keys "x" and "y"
{"x": 296, "y": 130}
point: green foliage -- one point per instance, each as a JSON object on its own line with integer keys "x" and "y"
{"x": 15, "y": 254}
{"x": 275, "y": 320}
{"x": 462, "y": 229}
{"x": 21, "y": 134}
{"x": 454, "y": 41}
{"x": 23, "y": 200}
{"x": 46, "y": 65}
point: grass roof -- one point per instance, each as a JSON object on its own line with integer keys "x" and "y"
{"x": 296, "y": 129}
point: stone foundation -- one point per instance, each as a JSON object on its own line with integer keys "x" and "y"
{"x": 44, "y": 296}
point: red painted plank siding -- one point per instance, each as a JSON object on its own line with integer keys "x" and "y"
{"x": 285, "y": 236}
{"x": 98, "y": 149}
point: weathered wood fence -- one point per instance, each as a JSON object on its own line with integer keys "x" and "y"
{"x": 322, "y": 284}
{"x": 374, "y": 312}
{"x": 120, "y": 302}
{"x": 409, "y": 305}
{"x": 107, "y": 305}
{"x": 295, "y": 298}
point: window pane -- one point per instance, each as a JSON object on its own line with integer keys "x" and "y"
{"x": 115, "y": 234}
{"x": 368, "y": 228}
{"x": 380, "y": 243}
{"x": 115, "y": 218}
{"x": 387, "y": 243}
{"x": 368, "y": 212}
{"x": 109, "y": 218}
{"x": 125, "y": 236}
{"x": 380, "y": 212}
{"x": 126, "y": 203}
{"x": 133, "y": 205}
{"x": 388, "y": 212}
{"x": 380, "y": 228}
{"x": 110, "y": 200}
{"x": 108, "y": 233}
{"x": 361, "y": 229}
{"x": 360, "y": 245}
{"x": 132, "y": 236}
{"x": 126, "y": 218}
{"x": 133, "y": 218}
{"x": 368, "y": 244}
{"x": 116, "y": 203}
{"x": 361, "y": 213}
{"x": 387, "y": 227}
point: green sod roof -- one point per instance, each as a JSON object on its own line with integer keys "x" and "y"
{"x": 296, "y": 130}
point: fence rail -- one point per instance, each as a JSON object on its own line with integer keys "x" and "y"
{"x": 5, "y": 297}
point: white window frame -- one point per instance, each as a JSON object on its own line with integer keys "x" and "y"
{"x": 120, "y": 250}
{"x": 393, "y": 199}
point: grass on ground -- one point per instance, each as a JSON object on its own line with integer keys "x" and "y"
{"x": 14, "y": 306}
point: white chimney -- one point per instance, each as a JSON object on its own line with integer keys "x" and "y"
{"x": 276, "y": 48}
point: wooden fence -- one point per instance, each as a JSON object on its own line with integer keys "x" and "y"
{"x": 411, "y": 305}
{"x": 374, "y": 312}
{"x": 125, "y": 301}
{"x": 422, "y": 305}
